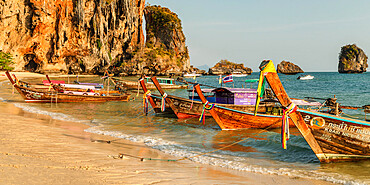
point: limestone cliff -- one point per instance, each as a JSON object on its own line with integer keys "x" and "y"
{"x": 70, "y": 35}
{"x": 289, "y": 68}
{"x": 226, "y": 67}
{"x": 352, "y": 59}
{"x": 165, "y": 51}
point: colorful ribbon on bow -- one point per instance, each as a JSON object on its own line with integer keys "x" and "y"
{"x": 202, "y": 116}
{"x": 285, "y": 126}
{"x": 50, "y": 86}
{"x": 16, "y": 79}
{"x": 163, "y": 105}
{"x": 146, "y": 96}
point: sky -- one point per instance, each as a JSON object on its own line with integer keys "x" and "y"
{"x": 307, "y": 33}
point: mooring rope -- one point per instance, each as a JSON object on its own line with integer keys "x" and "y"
{"x": 350, "y": 116}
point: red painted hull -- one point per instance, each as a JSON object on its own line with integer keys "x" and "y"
{"x": 229, "y": 119}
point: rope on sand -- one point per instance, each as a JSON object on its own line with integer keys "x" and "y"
{"x": 120, "y": 155}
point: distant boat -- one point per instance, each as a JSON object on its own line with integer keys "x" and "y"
{"x": 238, "y": 74}
{"x": 191, "y": 75}
{"x": 305, "y": 77}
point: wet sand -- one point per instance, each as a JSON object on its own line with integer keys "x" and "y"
{"x": 36, "y": 149}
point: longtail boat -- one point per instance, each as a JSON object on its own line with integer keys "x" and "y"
{"x": 185, "y": 108}
{"x": 332, "y": 138}
{"x": 39, "y": 96}
{"x": 167, "y": 83}
{"x": 61, "y": 86}
{"x": 232, "y": 117}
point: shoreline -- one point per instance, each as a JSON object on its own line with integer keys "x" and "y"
{"x": 37, "y": 149}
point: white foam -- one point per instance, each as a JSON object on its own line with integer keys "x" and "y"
{"x": 57, "y": 116}
{"x": 192, "y": 153}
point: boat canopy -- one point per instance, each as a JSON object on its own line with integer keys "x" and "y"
{"x": 168, "y": 81}
{"x": 46, "y": 82}
{"x": 251, "y": 80}
{"x": 227, "y": 90}
{"x": 233, "y": 90}
{"x": 306, "y": 102}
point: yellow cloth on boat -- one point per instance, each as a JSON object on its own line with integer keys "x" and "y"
{"x": 269, "y": 67}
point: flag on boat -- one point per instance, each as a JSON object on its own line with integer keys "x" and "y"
{"x": 228, "y": 78}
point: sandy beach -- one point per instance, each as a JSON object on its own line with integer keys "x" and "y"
{"x": 37, "y": 149}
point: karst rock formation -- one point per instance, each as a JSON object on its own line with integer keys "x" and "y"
{"x": 352, "y": 59}
{"x": 76, "y": 36}
{"x": 289, "y": 68}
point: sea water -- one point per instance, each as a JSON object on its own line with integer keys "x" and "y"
{"x": 256, "y": 150}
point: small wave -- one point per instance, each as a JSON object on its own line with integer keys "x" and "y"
{"x": 57, "y": 116}
{"x": 192, "y": 154}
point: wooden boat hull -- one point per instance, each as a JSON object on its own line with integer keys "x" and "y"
{"x": 156, "y": 105}
{"x": 37, "y": 96}
{"x": 340, "y": 139}
{"x": 182, "y": 107}
{"x": 231, "y": 119}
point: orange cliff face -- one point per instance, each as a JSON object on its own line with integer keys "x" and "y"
{"x": 70, "y": 35}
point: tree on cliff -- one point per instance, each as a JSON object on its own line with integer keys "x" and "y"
{"x": 352, "y": 59}
{"x": 6, "y": 59}
{"x": 165, "y": 51}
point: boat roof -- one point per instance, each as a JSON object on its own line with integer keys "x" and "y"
{"x": 251, "y": 80}
{"x": 306, "y": 102}
{"x": 229, "y": 90}
{"x": 234, "y": 90}
{"x": 162, "y": 78}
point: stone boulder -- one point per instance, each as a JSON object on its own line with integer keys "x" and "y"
{"x": 226, "y": 67}
{"x": 352, "y": 59}
{"x": 288, "y": 68}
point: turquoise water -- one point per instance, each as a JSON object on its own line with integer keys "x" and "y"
{"x": 261, "y": 150}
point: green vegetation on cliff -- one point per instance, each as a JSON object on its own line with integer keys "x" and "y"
{"x": 6, "y": 61}
{"x": 228, "y": 64}
{"x": 348, "y": 52}
{"x": 224, "y": 62}
{"x": 163, "y": 18}
{"x": 352, "y": 59}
